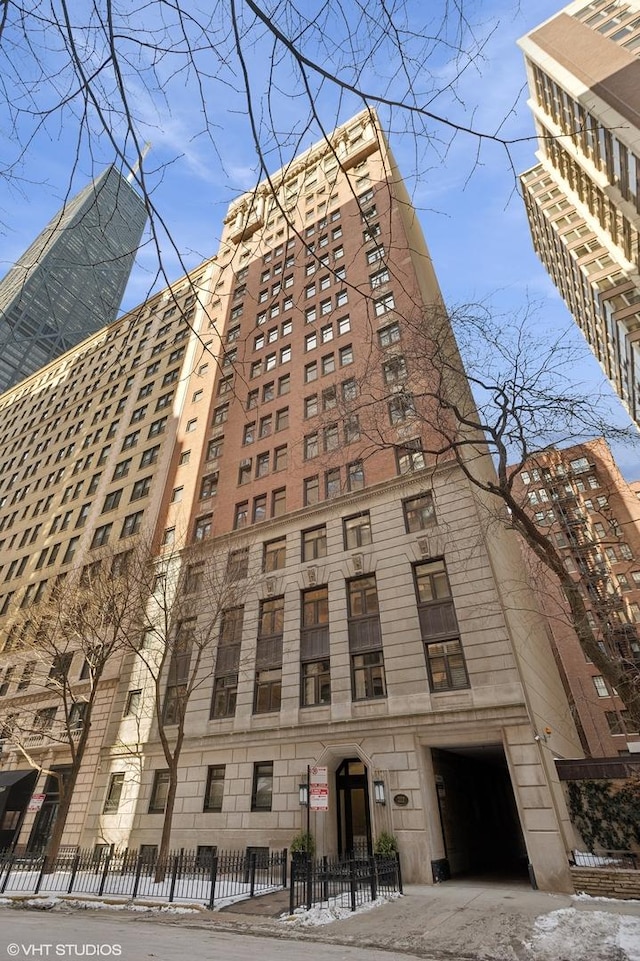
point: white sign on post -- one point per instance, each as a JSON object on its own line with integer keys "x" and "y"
{"x": 319, "y": 789}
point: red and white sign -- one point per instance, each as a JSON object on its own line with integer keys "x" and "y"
{"x": 319, "y": 788}
{"x": 36, "y": 802}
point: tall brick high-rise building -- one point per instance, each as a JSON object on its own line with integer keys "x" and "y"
{"x": 266, "y": 416}
{"x": 591, "y": 514}
{"x": 70, "y": 281}
{"x": 583, "y": 196}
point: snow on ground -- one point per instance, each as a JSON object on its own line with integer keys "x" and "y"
{"x": 568, "y": 933}
{"x": 336, "y": 909}
{"x": 49, "y": 902}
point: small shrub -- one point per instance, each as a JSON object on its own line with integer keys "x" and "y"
{"x": 303, "y": 843}
{"x": 385, "y": 844}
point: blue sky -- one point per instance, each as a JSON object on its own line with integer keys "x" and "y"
{"x": 471, "y": 213}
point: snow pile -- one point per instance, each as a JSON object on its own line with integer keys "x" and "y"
{"x": 48, "y": 903}
{"x": 576, "y": 935}
{"x": 335, "y": 909}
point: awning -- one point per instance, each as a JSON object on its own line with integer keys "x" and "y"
{"x": 9, "y": 778}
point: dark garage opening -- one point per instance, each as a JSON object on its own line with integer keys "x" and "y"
{"x": 478, "y": 814}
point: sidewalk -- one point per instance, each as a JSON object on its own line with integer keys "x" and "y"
{"x": 469, "y": 920}
{"x": 479, "y": 920}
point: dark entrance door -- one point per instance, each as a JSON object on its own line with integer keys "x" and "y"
{"x": 354, "y": 819}
{"x": 480, "y": 823}
{"x": 45, "y": 819}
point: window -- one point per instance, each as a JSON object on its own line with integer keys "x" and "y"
{"x": 356, "y": 531}
{"x": 311, "y": 405}
{"x": 252, "y": 399}
{"x": 262, "y": 464}
{"x": 203, "y": 526}
{"x": 209, "y": 485}
{"x": 328, "y": 364}
{"x": 271, "y": 620}
{"x": 259, "y": 512}
{"x": 133, "y": 704}
{"x": 225, "y": 689}
{"x": 140, "y": 488}
{"x": 394, "y": 370}
{"x": 214, "y": 790}
{"x": 332, "y": 482}
{"x": 101, "y": 535}
{"x": 419, "y": 512}
{"x": 311, "y": 490}
{"x": 314, "y": 647}
{"x": 111, "y": 501}
{"x": 159, "y": 792}
{"x": 311, "y": 372}
{"x": 345, "y": 355}
{"x": 601, "y": 686}
{"x": 268, "y": 392}
{"x": 282, "y": 419}
{"x": 311, "y": 448}
{"x": 131, "y": 524}
{"x": 214, "y": 448}
{"x": 262, "y": 788}
{"x": 157, "y": 427}
{"x": 220, "y": 415}
{"x": 351, "y": 429}
{"x": 121, "y": 469}
{"x": 331, "y": 438}
{"x": 439, "y": 627}
{"x": 238, "y": 563}
{"x": 355, "y": 476}
{"x": 284, "y": 385}
{"x": 383, "y": 305}
{"x": 150, "y": 456}
{"x": 241, "y": 515}
{"x": 114, "y": 793}
{"x": 410, "y": 456}
{"x": 316, "y": 683}
{"x": 274, "y": 555}
{"x": 401, "y": 407}
{"x": 268, "y": 690}
{"x": 280, "y": 458}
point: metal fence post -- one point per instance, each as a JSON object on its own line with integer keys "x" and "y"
{"x": 325, "y": 879}
{"x": 372, "y": 870}
{"x": 398, "y": 872}
{"x": 107, "y": 863}
{"x": 136, "y": 881}
{"x": 352, "y": 882}
{"x": 309, "y": 866}
{"x": 212, "y": 879}
{"x": 252, "y": 872}
{"x": 285, "y": 856}
{"x": 292, "y": 886}
{"x": 174, "y": 874}
{"x": 74, "y": 871}
{"x": 41, "y": 875}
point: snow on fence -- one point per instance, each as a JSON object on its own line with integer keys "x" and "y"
{"x": 208, "y": 877}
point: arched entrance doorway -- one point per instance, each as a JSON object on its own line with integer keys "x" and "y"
{"x": 354, "y": 816}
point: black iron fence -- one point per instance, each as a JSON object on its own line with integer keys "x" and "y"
{"x": 207, "y": 877}
{"x": 625, "y": 860}
{"x": 346, "y": 883}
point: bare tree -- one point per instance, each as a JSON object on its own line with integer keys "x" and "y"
{"x": 88, "y": 621}
{"x": 117, "y": 75}
{"x": 416, "y": 399}
{"x": 191, "y": 627}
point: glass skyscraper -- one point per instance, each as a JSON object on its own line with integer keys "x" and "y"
{"x": 70, "y": 281}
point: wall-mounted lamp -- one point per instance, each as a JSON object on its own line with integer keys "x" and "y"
{"x": 303, "y": 794}
{"x": 379, "y": 792}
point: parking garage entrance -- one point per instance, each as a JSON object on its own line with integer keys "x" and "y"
{"x": 480, "y": 824}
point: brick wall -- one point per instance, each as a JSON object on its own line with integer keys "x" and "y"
{"x": 607, "y": 883}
